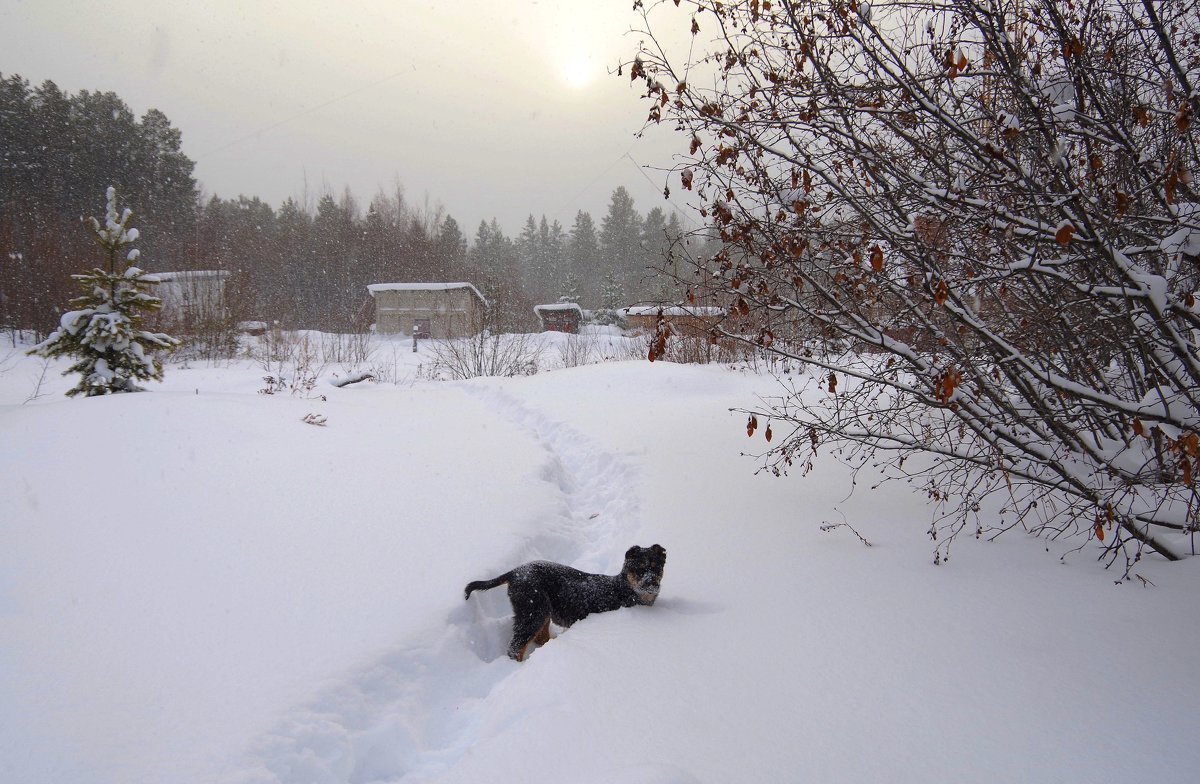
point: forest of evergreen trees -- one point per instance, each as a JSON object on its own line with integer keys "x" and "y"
{"x": 301, "y": 264}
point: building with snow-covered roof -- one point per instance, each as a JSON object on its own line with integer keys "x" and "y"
{"x": 429, "y": 310}
{"x": 684, "y": 320}
{"x": 559, "y": 317}
{"x": 191, "y": 298}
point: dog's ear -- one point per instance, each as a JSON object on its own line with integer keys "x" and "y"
{"x": 632, "y": 552}
{"x": 659, "y": 550}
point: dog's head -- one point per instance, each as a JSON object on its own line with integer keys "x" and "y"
{"x": 644, "y": 570}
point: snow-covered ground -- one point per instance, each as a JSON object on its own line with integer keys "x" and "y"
{"x": 198, "y": 586}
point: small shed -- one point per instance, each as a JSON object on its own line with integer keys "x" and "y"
{"x": 193, "y": 297}
{"x": 695, "y": 321}
{"x": 560, "y": 317}
{"x": 430, "y": 310}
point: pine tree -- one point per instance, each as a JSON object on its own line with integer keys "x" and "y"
{"x": 495, "y": 260}
{"x": 554, "y": 246}
{"x": 527, "y": 254}
{"x": 583, "y": 259}
{"x": 451, "y": 250}
{"x": 621, "y": 241}
{"x": 293, "y": 247}
{"x": 570, "y": 289}
{"x": 610, "y": 291}
{"x": 102, "y": 333}
{"x": 654, "y": 242}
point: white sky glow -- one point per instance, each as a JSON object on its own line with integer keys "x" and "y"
{"x": 492, "y": 109}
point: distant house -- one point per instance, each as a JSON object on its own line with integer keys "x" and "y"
{"x": 560, "y": 317}
{"x": 694, "y": 321}
{"x": 192, "y": 298}
{"x": 431, "y": 310}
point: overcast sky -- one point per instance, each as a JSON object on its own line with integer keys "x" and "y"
{"x": 492, "y": 108}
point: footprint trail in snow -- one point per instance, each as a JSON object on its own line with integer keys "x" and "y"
{"x": 415, "y": 711}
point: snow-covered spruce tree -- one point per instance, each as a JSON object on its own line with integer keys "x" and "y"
{"x": 987, "y": 207}
{"x": 102, "y": 332}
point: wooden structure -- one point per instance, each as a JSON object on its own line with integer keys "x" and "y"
{"x": 691, "y": 321}
{"x": 431, "y": 310}
{"x": 560, "y": 317}
{"x": 191, "y": 299}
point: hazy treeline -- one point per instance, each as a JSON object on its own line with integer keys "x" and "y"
{"x": 311, "y": 267}
{"x": 58, "y": 154}
{"x": 304, "y": 264}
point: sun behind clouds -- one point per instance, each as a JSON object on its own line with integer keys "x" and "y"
{"x": 578, "y": 71}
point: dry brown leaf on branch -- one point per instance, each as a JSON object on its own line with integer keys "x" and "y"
{"x": 941, "y": 292}
{"x": 1183, "y": 117}
{"x": 877, "y": 258}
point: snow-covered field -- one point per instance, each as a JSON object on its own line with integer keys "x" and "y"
{"x": 197, "y": 586}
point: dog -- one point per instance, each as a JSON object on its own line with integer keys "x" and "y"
{"x": 543, "y": 591}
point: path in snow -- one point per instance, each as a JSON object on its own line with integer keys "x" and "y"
{"x": 414, "y": 712}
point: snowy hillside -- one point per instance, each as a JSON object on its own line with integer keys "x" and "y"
{"x": 197, "y": 586}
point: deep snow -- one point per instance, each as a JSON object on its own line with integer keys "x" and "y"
{"x": 197, "y": 586}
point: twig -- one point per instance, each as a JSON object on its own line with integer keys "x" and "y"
{"x": 827, "y": 526}
{"x": 37, "y": 390}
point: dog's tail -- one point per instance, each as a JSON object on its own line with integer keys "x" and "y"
{"x": 484, "y": 585}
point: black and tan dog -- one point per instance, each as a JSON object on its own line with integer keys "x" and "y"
{"x": 542, "y": 591}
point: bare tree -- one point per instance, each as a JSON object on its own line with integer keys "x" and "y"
{"x": 976, "y": 219}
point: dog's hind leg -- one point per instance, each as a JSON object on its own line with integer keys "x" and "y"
{"x": 540, "y": 638}
{"x": 531, "y": 618}
{"x": 521, "y": 654}
{"x": 543, "y": 635}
